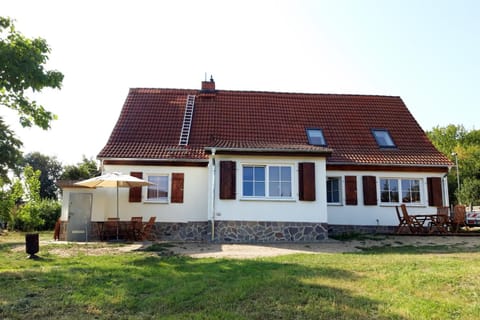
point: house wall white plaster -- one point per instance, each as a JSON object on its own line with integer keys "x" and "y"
{"x": 292, "y": 210}
{"x": 380, "y": 214}
{"x": 194, "y": 207}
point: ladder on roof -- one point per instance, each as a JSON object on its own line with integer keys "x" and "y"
{"x": 187, "y": 120}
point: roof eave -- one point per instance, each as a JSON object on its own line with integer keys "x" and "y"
{"x": 268, "y": 151}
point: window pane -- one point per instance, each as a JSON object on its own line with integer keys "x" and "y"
{"x": 247, "y": 188}
{"x": 274, "y": 189}
{"x": 286, "y": 173}
{"x": 410, "y": 191}
{"x": 158, "y": 191}
{"x": 259, "y": 189}
{"x": 248, "y": 173}
{"x": 389, "y": 190}
{"x": 259, "y": 174}
{"x": 274, "y": 173}
{"x": 333, "y": 191}
{"x": 286, "y": 189}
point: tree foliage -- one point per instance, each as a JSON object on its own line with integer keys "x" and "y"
{"x": 10, "y": 155}
{"x": 22, "y": 71}
{"x": 50, "y": 171}
{"x": 457, "y": 143}
{"x": 85, "y": 169}
{"x": 22, "y": 68}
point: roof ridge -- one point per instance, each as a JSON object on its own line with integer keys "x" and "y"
{"x": 136, "y": 89}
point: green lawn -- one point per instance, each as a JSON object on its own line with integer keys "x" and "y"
{"x": 383, "y": 283}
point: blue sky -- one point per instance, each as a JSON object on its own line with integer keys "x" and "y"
{"x": 426, "y": 52}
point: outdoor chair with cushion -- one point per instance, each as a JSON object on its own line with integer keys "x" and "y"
{"x": 458, "y": 219}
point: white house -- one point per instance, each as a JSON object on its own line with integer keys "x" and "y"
{"x": 244, "y": 166}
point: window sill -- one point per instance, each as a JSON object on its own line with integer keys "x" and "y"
{"x": 335, "y": 204}
{"x": 415, "y": 205}
{"x": 155, "y": 201}
{"x": 268, "y": 199}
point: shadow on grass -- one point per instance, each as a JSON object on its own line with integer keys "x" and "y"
{"x": 418, "y": 249}
{"x": 152, "y": 287}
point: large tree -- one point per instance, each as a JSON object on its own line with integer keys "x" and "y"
{"x": 22, "y": 71}
{"x": 463, "y": 145}
{"x": 50, "y": 171}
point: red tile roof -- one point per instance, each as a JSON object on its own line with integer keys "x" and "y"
{"x": 151, "y": 120}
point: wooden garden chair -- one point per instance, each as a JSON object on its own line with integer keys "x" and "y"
{"x": 111, "y": 228}
{"x": 408, "y": 221}
{"x": 402, "y": 223}
{"x": 459, "y": 216}
{"x": 148, "y": 230}
{"x": 441, "y": 222}
{"x": 134, "y": 229}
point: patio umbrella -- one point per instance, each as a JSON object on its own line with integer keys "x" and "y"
{"x": 114, "y": 180}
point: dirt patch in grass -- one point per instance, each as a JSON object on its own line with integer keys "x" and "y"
{"x": 248, "y": 251}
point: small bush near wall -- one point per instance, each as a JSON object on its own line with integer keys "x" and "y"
{"x": 39, "y": 216}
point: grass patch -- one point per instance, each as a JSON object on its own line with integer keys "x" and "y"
{"x": 383, "y": 283}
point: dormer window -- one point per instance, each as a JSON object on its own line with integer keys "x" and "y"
{"x": 383, "y": 138}
{"x": 315, "y": 137}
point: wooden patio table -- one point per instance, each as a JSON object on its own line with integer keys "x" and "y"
{"x": 433, "y": 220}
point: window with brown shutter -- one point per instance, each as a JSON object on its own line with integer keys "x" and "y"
{"x": 435, "y": 194}
{"x": 306, "y": 181}
{"x": 351, "y": 190}
{"x": 369, "y": 190}
{"x": 135, "y": 193}
{"x": 177, "y": 188}
{"x": 227, "y": 180}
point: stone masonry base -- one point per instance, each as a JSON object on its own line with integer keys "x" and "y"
{"x": 226, "y": 231}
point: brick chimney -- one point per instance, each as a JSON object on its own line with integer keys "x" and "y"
{"x": 208, "y": 86}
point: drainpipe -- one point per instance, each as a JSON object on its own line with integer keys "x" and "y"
{"x": 446, "y": 195}
{"x": 213, "y": 194}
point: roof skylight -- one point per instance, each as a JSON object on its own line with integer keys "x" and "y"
{"x": 383, "y": 138}
{"x": 315, "y": 137}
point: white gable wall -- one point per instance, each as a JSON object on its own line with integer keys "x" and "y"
{"x": 380, "y": 214}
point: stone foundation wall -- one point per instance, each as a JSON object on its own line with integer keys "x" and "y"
{"x": 246, "y": 231}
{"x": 260, "y": 231}
{"x": 339, "y": 230}
{"x": 190, "y": 231}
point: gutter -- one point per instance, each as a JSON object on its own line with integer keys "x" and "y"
{"x": 213, "y": 194}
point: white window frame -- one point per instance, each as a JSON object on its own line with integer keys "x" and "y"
{"x": 421, "y": 187}
{"x": 267, "y": 181}
{"x": 162, "y": 199}
{"x": 340, "y": 190}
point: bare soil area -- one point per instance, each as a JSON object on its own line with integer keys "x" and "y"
{"x": 248, "y": 251}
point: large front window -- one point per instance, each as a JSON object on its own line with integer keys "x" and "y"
{"x": 400, "y": 191}
{"x": 267, "y": 181}
{"x": 159, "y": 190}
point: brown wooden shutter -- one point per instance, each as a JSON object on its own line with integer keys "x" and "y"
{"x": 435, "y": 194}
{"x": 135, "y": 193}
{"x": 228, "y": 174}
{"x": 177, "y": 188}
{"x": 369, "y": 190}
{"x": 351, "y": 190}
{"x": 306, "y": 181}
